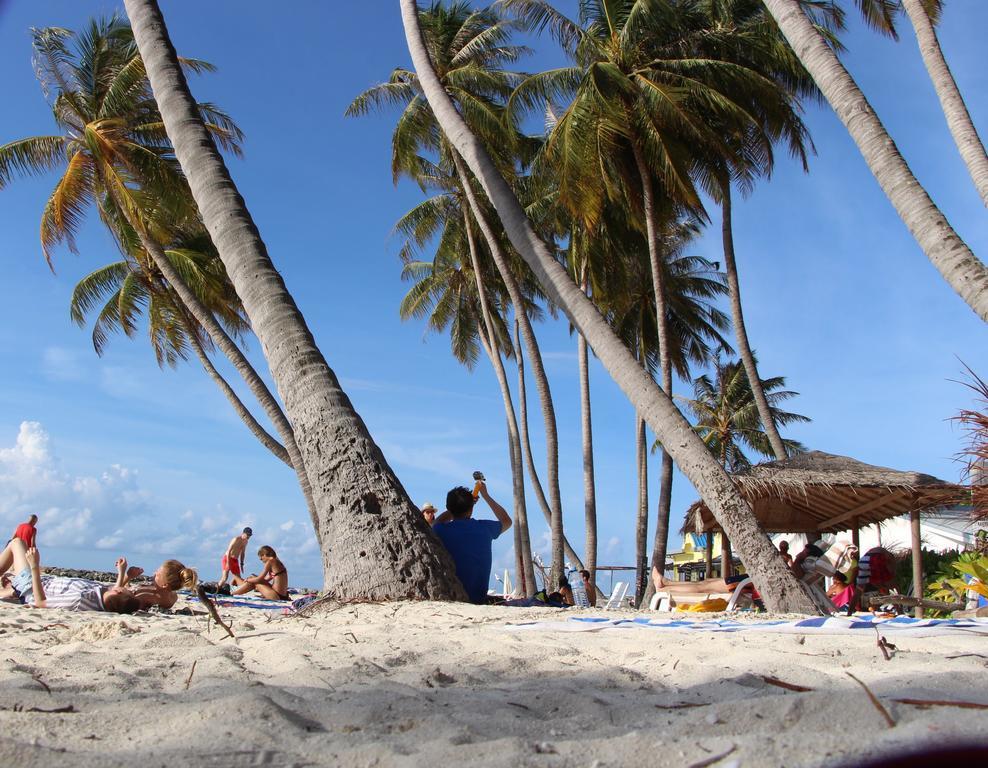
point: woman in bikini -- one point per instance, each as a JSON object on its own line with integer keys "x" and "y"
{"x": 171, "y": 576}
{"x": 272, "y": 583}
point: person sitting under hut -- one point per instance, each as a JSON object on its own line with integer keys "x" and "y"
{"x": 32, "y": 588}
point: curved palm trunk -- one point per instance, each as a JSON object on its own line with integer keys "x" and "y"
{"x": 535, "y": 356}
{"x": 665, "y": 358}
{"x": 959, "y": 121}
{"x": 242, "y": 411}
{"x": 744, "y": 348}
{"x": 641, "y": 518}
{"x": 375, "y": 542}
{"x": 949, "y": 254}
{"x": 780, "y": 589}
{"x": 586, "y": 425}
{"x": 489, "y": 341}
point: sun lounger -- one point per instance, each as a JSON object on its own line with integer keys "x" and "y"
{"x": 737, "y": 598}
{"x": 617, "y": 596}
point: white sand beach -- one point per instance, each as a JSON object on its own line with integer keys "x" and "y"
{"x": 445, "y": 684}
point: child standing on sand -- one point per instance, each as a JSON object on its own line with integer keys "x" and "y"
{"x": 232, "y": 562}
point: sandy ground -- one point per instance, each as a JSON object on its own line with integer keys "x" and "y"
{"x": 431, "y": 684}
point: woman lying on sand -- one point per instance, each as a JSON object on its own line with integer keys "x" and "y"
{"x": 30, "y": 587}
{"x": 273, "y": 581}
{"x": 171, "y": 576}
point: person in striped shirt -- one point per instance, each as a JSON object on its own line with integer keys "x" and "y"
{"x": 31, "y": 587}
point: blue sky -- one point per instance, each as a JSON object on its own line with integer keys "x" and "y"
{"x": 117, "y": 456}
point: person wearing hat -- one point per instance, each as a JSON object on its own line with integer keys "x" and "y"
{"x": 232, "y": 562}
{"x": 429, "y": 513}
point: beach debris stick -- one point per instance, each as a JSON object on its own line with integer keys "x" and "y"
{"x": 192, "y": 671}
{"x": 42, "y": 683}
{"x": 783, "y": 684}
{"x": 874, "y": 700}
{"x": 924, "y": 703}
{"x": 713, "y": 759}
{"x": 204, "y": 599}
{"x": 884, "y": 645}
{"x": 67, "y": 709}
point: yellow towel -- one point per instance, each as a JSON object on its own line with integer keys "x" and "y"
{"x": 713, "y": 605}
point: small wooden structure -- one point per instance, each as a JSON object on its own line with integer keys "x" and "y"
{"x": 817, "y": 492}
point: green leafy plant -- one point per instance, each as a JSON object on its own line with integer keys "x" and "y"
{"x": 950, "y": 585}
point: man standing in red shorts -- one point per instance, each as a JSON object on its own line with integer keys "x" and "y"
{"x": 26, "y": 532}
{"x": 232, "y": 561}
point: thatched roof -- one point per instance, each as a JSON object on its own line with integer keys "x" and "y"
{"x": 818, "y": 491}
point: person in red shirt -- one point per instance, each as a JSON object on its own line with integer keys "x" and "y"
{"x": 26, "y": 532}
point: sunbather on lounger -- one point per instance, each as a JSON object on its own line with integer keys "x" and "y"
{"x": 690, "y": 587}
{"x": 171, "y": 576}
{"x": 33, "y": 588}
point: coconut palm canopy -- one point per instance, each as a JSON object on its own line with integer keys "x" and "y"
{"x": 817, "y": 491}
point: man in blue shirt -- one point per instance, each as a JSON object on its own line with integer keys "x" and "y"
{"x": 468, "y": 540}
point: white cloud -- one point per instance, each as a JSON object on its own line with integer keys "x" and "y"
{"x": 111, "y": 511}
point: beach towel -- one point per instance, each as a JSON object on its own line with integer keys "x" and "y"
{"x": 242, "y": 601}
{"x": 817, "y": 625}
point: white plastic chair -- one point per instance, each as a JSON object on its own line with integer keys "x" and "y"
{"x": 617, "y": 596}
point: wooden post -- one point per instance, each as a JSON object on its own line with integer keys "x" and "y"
{"x": 917, "y": 562}
{"x": 726, "y": 557}
{"x": 856, "y": 534}
{"x": 708, "y": 555}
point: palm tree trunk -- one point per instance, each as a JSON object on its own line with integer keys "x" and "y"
{"x": 489, "y": 340}
{"x": 665, "y": 357}
{"x": 529, "y": 567}
{"x": 586, "y": 424}
{"x": 959, "y": 121}
{"x": 779, "y": 588}
{"x": 949, "y": 254}
{"x": 538, "y": 369}
{"x": 375, "y": 542}
{"x": 243, "y": 412}
{"x": 744, "y": 348}
{"x": 641, "y": 517}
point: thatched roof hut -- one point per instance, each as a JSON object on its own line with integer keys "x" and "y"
{"x": 817, "y": 492}
{"x": 822, "y": 493}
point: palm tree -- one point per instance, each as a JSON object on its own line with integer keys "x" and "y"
{"x": 943, "y": 247}
{"x": 119, "y": 293}
{"x": 780, "y": 589}
{"x": 727, "y": 419}
{"x": 924, "y": 15}
{"x": 374, "y": 541}
{"x": 115, "y": 153}
{"x": 469, "y": 49}
{"x": 452, "y": 292}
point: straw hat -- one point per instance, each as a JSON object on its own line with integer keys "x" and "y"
{"x": 428, "y": 507}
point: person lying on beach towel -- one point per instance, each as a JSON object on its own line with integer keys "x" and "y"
{"x": 161, "y": 592}
{"x": 33, "y": 588}
{"x": 273, "y": 580}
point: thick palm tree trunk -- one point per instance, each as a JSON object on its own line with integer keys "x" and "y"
{"x": 780, "y": 589}
{"x": 489, "y": 340}
{"x": 641, "y": 516}
{"x": 586, "y": 426}
{"x": 374, "y": 540}
{"x": 744, "y": 348}
{"x": 959, "y": 121}
{"x": 665, "y": 357}
{"x": 267, "y": 440}
{"x": 538, "y": 369}
{"x": 949, "y": 254}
